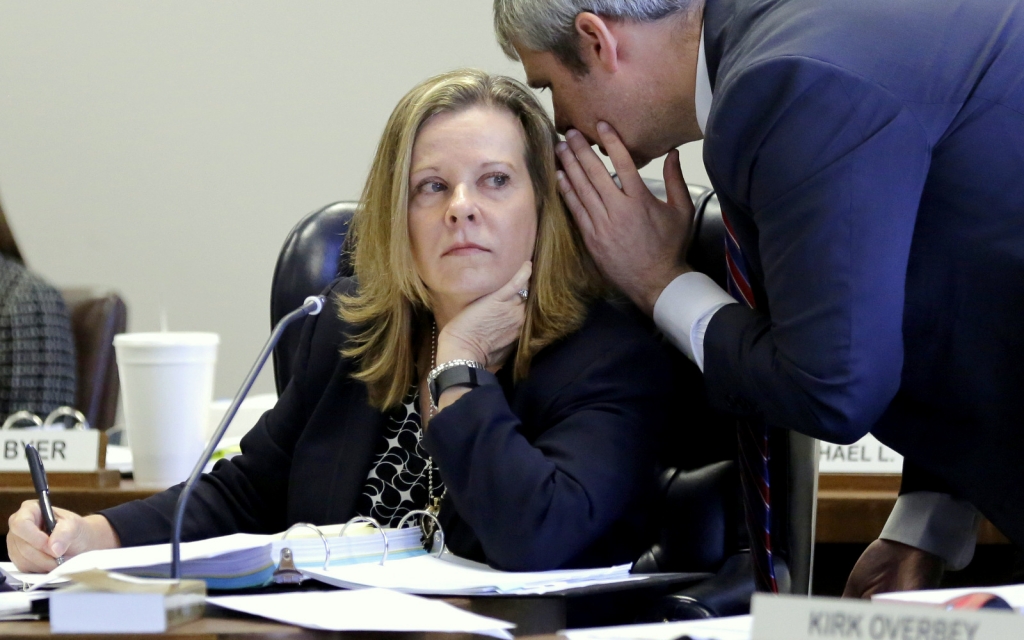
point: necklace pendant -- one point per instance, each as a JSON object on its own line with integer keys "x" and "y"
{"x": 428, "y": 525}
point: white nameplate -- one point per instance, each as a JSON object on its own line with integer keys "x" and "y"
{"x": 867, "y": 455}
{"x": 800, "y": 618}
{"x": 60, "y": 449}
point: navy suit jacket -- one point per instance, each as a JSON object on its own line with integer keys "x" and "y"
{"x": 558, "y": 470}
{"x": 870, "y": 156}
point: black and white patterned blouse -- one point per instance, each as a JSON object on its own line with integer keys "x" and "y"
{"x": 398, "y": 480}
{"x": 37, "y": 349}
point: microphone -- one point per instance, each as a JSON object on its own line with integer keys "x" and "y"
{"x": 312, "y": 306}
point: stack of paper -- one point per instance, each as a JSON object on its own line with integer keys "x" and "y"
{"x": 364, "y": 610}
{"x": 142, "y": 605}
{"x": 240, "y": 560}
{"x": 451, "y": 575}
{"x": 17, "y": 605}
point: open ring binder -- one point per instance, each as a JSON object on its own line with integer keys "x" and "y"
{"x": 81, "y": 422}
{"x": 424, "y": 513}
{"x": 323, "y": 538}
{"x": 383, "y": 558}
{"x": 20, "y": 416}
{"x": 288, "y": 573}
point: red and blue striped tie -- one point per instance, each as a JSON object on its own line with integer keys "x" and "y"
{"x": 753, "y": 440}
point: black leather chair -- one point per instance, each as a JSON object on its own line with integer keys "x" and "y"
{"x": 95, "y": 320}
{"x": 701, "y": 528}
{"x": 310, "y": 259}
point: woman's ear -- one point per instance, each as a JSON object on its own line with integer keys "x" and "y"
{"x": 598, "y": 45}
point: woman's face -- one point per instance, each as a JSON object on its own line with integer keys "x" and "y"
{"x": 472, "y": 212}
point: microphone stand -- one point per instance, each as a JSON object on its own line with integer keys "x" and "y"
{"x": 312, "y": 306}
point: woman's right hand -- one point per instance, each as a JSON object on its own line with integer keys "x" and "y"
{"x": 33, "y": 551}
{"x": 487, "y": 328}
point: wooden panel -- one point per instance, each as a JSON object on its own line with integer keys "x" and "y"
{"x": 102, "y": 479}
{"x": 852, "y": 516}
{"x": 81, "y": 500}
{"x": 889, "y": 482}
{"x": 853, "y": 508}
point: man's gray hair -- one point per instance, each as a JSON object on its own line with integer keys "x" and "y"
{"x": 550, "y": 25}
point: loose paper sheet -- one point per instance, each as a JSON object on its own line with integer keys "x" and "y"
{"x": 17, "y": 602}
{"x": 451, "y": 575}
{"x": 734, "y": 628}
{"x": 16, "y": 579}
{"x": 364, "y": 610}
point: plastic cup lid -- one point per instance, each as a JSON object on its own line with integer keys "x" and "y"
{"x": 168, "y": 338}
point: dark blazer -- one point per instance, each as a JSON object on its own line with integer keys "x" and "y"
{"x": 870, "y": 155}
{"x": 555, "y": 471}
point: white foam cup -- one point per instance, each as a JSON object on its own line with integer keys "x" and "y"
{"x": 166, "y": 387}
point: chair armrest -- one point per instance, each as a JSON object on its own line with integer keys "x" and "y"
{"x": 727, "y": 593}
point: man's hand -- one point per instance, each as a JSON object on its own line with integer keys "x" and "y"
{"x": 893, "y": 566}
{"x": 638, "y": 241}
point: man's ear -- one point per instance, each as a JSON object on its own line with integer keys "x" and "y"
{"x": 598, "y": 45}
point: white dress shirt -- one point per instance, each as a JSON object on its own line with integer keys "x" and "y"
{"x": 936, "y": 522}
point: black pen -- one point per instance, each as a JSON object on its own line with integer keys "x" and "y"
{"x": 35, "y": 467}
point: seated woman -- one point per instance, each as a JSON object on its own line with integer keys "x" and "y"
{"x": 37, "y": 348}
{"x": 547, "y": 460}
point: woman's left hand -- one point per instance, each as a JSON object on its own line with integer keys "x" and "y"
{"x": 486, "y": 329}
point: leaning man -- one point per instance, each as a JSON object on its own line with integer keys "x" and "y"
{"x": 869, "y": 160}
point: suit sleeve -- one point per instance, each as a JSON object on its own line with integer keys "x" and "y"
{"x": 929, "y": 515}
{"x": 247, "y": 493}
{"x": 831, "y": 169}
{"x": 537, "y": 504}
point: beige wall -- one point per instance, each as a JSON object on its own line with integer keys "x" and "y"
{"x": 164, "y": 149}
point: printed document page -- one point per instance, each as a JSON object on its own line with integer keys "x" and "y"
{"x": 451, "y": 575}
{"x": 364, "y": 610}
{"x": 734, "y": 628}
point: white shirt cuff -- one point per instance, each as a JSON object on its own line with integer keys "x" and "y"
{"x": 684, "y": 309}
{"x": 937, "y": 523}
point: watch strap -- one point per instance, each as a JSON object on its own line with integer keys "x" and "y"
{"x": 459, "y": 376}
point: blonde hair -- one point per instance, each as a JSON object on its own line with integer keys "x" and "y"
{"x": 391, "y": 302}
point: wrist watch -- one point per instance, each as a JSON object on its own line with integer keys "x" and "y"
{"x": 457, "y": 373}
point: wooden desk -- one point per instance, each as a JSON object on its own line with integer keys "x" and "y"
{"x": 534, "y": 615}
{"x": 216, "y": 624}
{"x": 221, "y": 623}
{"x": 854, "y": 508}
{"x": 77, "y": 499}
